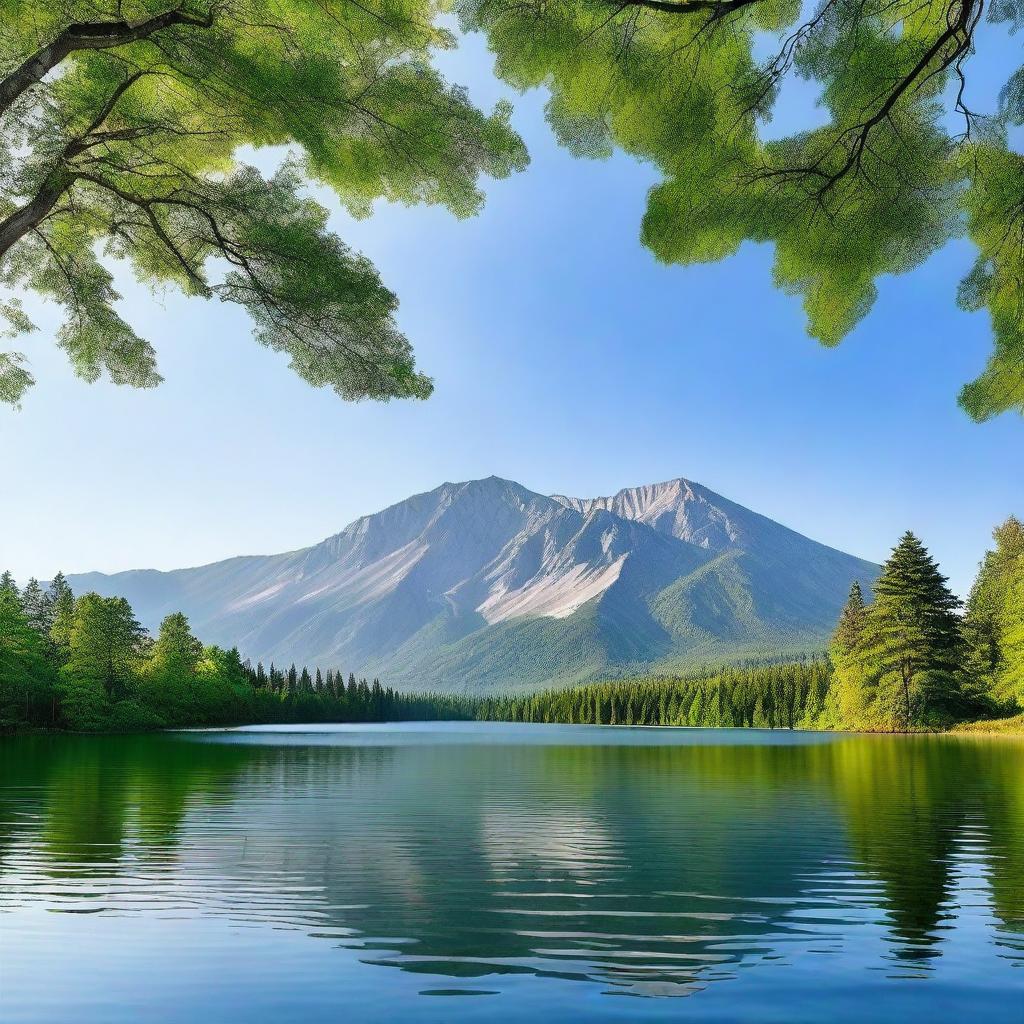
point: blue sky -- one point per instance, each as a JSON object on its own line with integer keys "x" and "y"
{"x": 565, "y": 357}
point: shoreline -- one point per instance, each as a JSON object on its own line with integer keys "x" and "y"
{"x": 1003, "y": 727}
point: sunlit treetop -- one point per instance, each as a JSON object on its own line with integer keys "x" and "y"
{"x": 120, "y": 126}
{"x": 901, "y": 166}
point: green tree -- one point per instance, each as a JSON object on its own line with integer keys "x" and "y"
{"x": 847, "y": 705}
{"x": 120, "y": 127}
{"x": 25, "y": 676}
{"x": 987, "y": 606}
{"x": 896, "y": 167}
{"x": 62, "y": 616}
{"x": 915, "y": 644}
{"x": 176, "y": 651}
{"x": 169, "y": 677}
{"x": 35, "y": 603}
{"x": 1012, "y": 643}
{"x": 848, "y": 638}
{"x": 106, "y": 645}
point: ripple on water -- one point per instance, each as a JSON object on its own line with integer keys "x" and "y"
{"x": 763, "y": 876}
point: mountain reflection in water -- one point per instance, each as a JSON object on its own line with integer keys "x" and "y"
{"x": 511, "y": 861}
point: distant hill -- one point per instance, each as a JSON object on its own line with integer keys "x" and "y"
{"x": 485, "y": 584}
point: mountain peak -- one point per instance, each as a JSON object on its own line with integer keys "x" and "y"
{"x": 485, "y": 583}
{"x": 678, "y": 507}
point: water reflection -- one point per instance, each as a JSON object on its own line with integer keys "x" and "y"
{"x": 648, "y": 869}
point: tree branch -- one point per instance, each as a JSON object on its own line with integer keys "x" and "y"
{"x": 29, "y": 216}
{"x": 718, "y": 8}
{"x": 100, "y": 35}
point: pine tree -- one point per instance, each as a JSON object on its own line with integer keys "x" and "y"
{"x": 7, "y": 584}
{"x": 849, "y": 698}
{"x": 35, "y": 605}
{"x": 915, "y": 640}
{"x": 62, "y": 616}
{"x": 849, "y": 635}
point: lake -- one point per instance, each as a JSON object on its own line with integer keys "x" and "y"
{"x": 480, "y": 872}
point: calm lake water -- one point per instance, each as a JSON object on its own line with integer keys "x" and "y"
{"x": 471, "y": 872}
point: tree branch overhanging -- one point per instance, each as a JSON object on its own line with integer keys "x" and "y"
{"x": 99, "y": 35}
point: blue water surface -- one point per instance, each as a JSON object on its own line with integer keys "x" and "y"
{"x": 463, "y": 872}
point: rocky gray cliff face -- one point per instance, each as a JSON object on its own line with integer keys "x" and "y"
{"x": 486, "y": 584}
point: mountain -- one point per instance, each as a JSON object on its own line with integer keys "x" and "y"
{"x": 484, "y": 585}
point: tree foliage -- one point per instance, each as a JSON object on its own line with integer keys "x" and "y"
{"x": 786, "y": 696}
{"x": 900, "y": 165}
{"x": 993, "y": 612}
{"x": 120, "y": 130}
{"x": 1010, "y": 684}
{"x": 904, "y": 662}
{"x": 88, "y": 665}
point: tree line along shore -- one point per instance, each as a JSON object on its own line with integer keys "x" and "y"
{"x": 910, "y": 660}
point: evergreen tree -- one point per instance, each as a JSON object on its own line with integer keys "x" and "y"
{"x": 847, "y": 704}
{"x": 915, "y": 640}
{"x": 170, "y": 673}
{"x": 176, "y": 650}
{"x": 62, "y": 616}
{"x": 987, "y": 607}
{"x": 35, "y": 604}
{"x": 849, "y": 635}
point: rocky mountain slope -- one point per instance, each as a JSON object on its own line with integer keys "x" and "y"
{"x": 485, "y": 584}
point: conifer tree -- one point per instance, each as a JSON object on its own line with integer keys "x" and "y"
{"x": 987, "y": 607}
{"x": 176, "y": 651}
{"x": 62, "y": 616}
{"x": 915, "y": 642}
{"x": 846, "y": 706}
{"x": 849, "y": 635}
{"x": 34, "y": 603}
{"x": 170, "y": 672}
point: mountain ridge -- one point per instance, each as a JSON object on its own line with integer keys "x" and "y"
{"x": 485, "y": 584}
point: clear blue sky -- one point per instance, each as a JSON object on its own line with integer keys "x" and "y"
{"x": 565, "y": 357}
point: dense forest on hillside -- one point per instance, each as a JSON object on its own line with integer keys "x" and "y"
{"x": 86, "y": 664}
{"x": 904, "y": 662}
{"x": 908, "y": 661}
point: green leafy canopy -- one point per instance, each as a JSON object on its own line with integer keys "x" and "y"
{"x": 901, "y": 166}
{"x": 120, "y": 127}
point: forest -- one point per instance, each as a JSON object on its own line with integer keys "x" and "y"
{"x": 86, "y": 664}
{"x": 909, "y": 660}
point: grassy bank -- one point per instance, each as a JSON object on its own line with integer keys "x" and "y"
{"x": 994, "y": 726}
